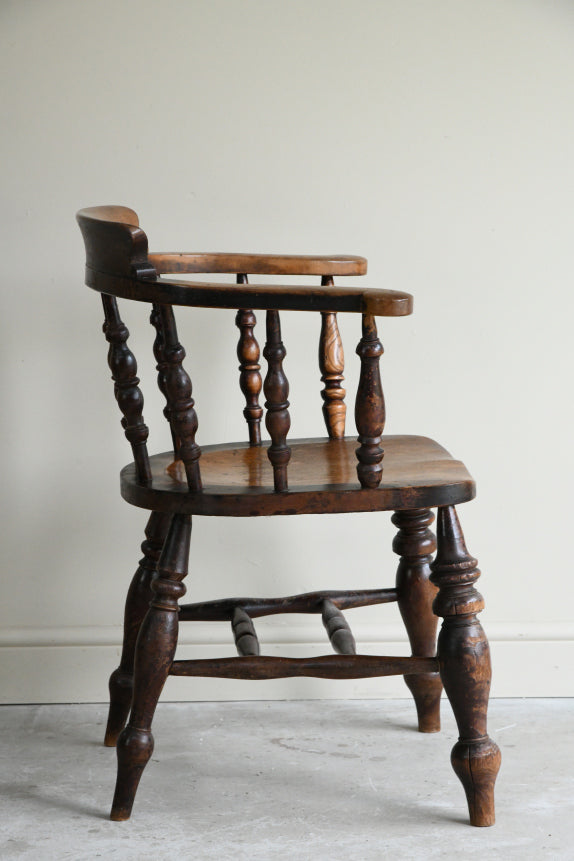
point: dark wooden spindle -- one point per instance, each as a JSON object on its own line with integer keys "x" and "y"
{"x": 123, "y": 366}
{"x": 332, "y": 365}
{"x": 276, "y": 388}
{"x": 249, "y": 370}
{"x": 182, "y": 414}
{"x": 338, "y": 629}
{"x": 161, "y": 366}
{"x": 370, "y": 406}
{"x": 244, "y": 634}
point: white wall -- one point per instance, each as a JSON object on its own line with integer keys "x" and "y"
{"x": 434, "y": 138}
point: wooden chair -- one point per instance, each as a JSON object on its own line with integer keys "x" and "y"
{"x": 406, "y": 474}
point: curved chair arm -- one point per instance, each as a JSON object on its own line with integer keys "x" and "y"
{"x": 174, "y": 263}
{"x": 118, "y": 263}
{"x": 279, "y": 297}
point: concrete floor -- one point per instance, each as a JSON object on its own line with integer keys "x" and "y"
{"x": 284, "y": 780}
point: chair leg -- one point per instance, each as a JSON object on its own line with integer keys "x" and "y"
{"x": 155, "y": 650}
{"x": 415, "y": 544}
{"x": 137, "y": 603}
{"x": 464, "y": 659}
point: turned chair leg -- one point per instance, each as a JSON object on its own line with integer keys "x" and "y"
{"x": 415, "y": 544}
{"x": 154, "y": 654}
{"x": 137, "y": 603}
{"x": 464, "y": 660}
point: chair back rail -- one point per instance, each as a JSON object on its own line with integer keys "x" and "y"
{"x": 118, "y": 265}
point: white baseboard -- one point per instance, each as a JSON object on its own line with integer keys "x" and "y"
{"x": 47, "y": 665}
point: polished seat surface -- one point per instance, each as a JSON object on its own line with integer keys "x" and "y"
{"x": 238, "y": 479}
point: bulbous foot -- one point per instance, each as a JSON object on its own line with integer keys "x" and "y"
{"x": 134, "y": 748}
{"x": 476, "y": 764}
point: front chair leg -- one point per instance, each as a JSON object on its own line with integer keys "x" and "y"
{"x": 415, "y": 544}
{"x": 137, "y": 603}
{"x": 155, "y": 650}
{"x": 464, "y": 660}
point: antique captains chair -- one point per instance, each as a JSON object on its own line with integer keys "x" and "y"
{"x": 405, "y": 474}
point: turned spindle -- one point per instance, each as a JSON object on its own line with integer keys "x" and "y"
{"x": 338, "y": 629}
{"x": 464, "y": 662}
{"x": 415, "y": 544}
{"x": 244, "y": 633}
{"x": 123, "y": 365}
{"x": 249, "y": 370}
{"x": 370, "y": 406}
{"x": 332, "y": 365}
{"x": 180, "y": 403}
{"x": 161, "y": 367}
{"x": 276, "y": 388}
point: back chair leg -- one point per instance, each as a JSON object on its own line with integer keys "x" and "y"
{"x": 137, "y": 603}
{"x": 464, "y": 659}
{"x": 415, "y": 544}
{"x": 155, "y": 650}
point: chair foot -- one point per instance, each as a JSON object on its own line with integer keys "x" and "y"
{"x": 134, "y": 749}
{"x": 426, "y": 690}
{"x": 121, "y": 690}
{"x": 476, "y": 765}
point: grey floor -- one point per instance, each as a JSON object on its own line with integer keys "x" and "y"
{"x": 284, "y": 780}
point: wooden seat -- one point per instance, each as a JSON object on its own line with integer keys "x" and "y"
{"x": 408, "y": 475}
{"x": 237, "y": 480}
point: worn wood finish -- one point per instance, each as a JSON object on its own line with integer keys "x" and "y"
{"x": 338, "y": 629}
{"x": 181, "y": 412}
{"x": 137, "y": 603}
{"x": 415, "y": 544}
{"x": 249, "y": 370}
{"x": 123, "y": 366}
{"x": 161, "y": 367}
{"x": 464, "y": 661}
{"x": 323, "y": 477}
{"x": 279, "y": 297}
{"x": 276, "y": 388}
{"x": 332, "y": 365}
{"x": 309, "y": 602}
{"x": 257, "y": 264}
{"x": 115, "y": 244}
{"x": 370, "y": 406}
{"x": 118, "y": 263}
{"x": 154, "y": 656}
{"x": 419, "y": 473}
{"x": 323, "y": 667}
{"x": 244, "y": 634}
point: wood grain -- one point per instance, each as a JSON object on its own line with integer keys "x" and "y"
{"x": 249, "y": 369}
{"x": 332, "y": 365}
{"x": 369, "y": 406}
{"x": 324, "y": 667}
{"x": 123, "y": 365}
{"x": 464, "y": 661}
{"x": 415, "y": 544}
{"x": 276, "y": 388}
{"x": 419, "y": 473}
{"x": 309, "y": 602}
{"x": 257, "y": 264}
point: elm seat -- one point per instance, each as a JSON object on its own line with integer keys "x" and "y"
{"x": 418, "y": 473}
{"x": 409, "y": 475}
